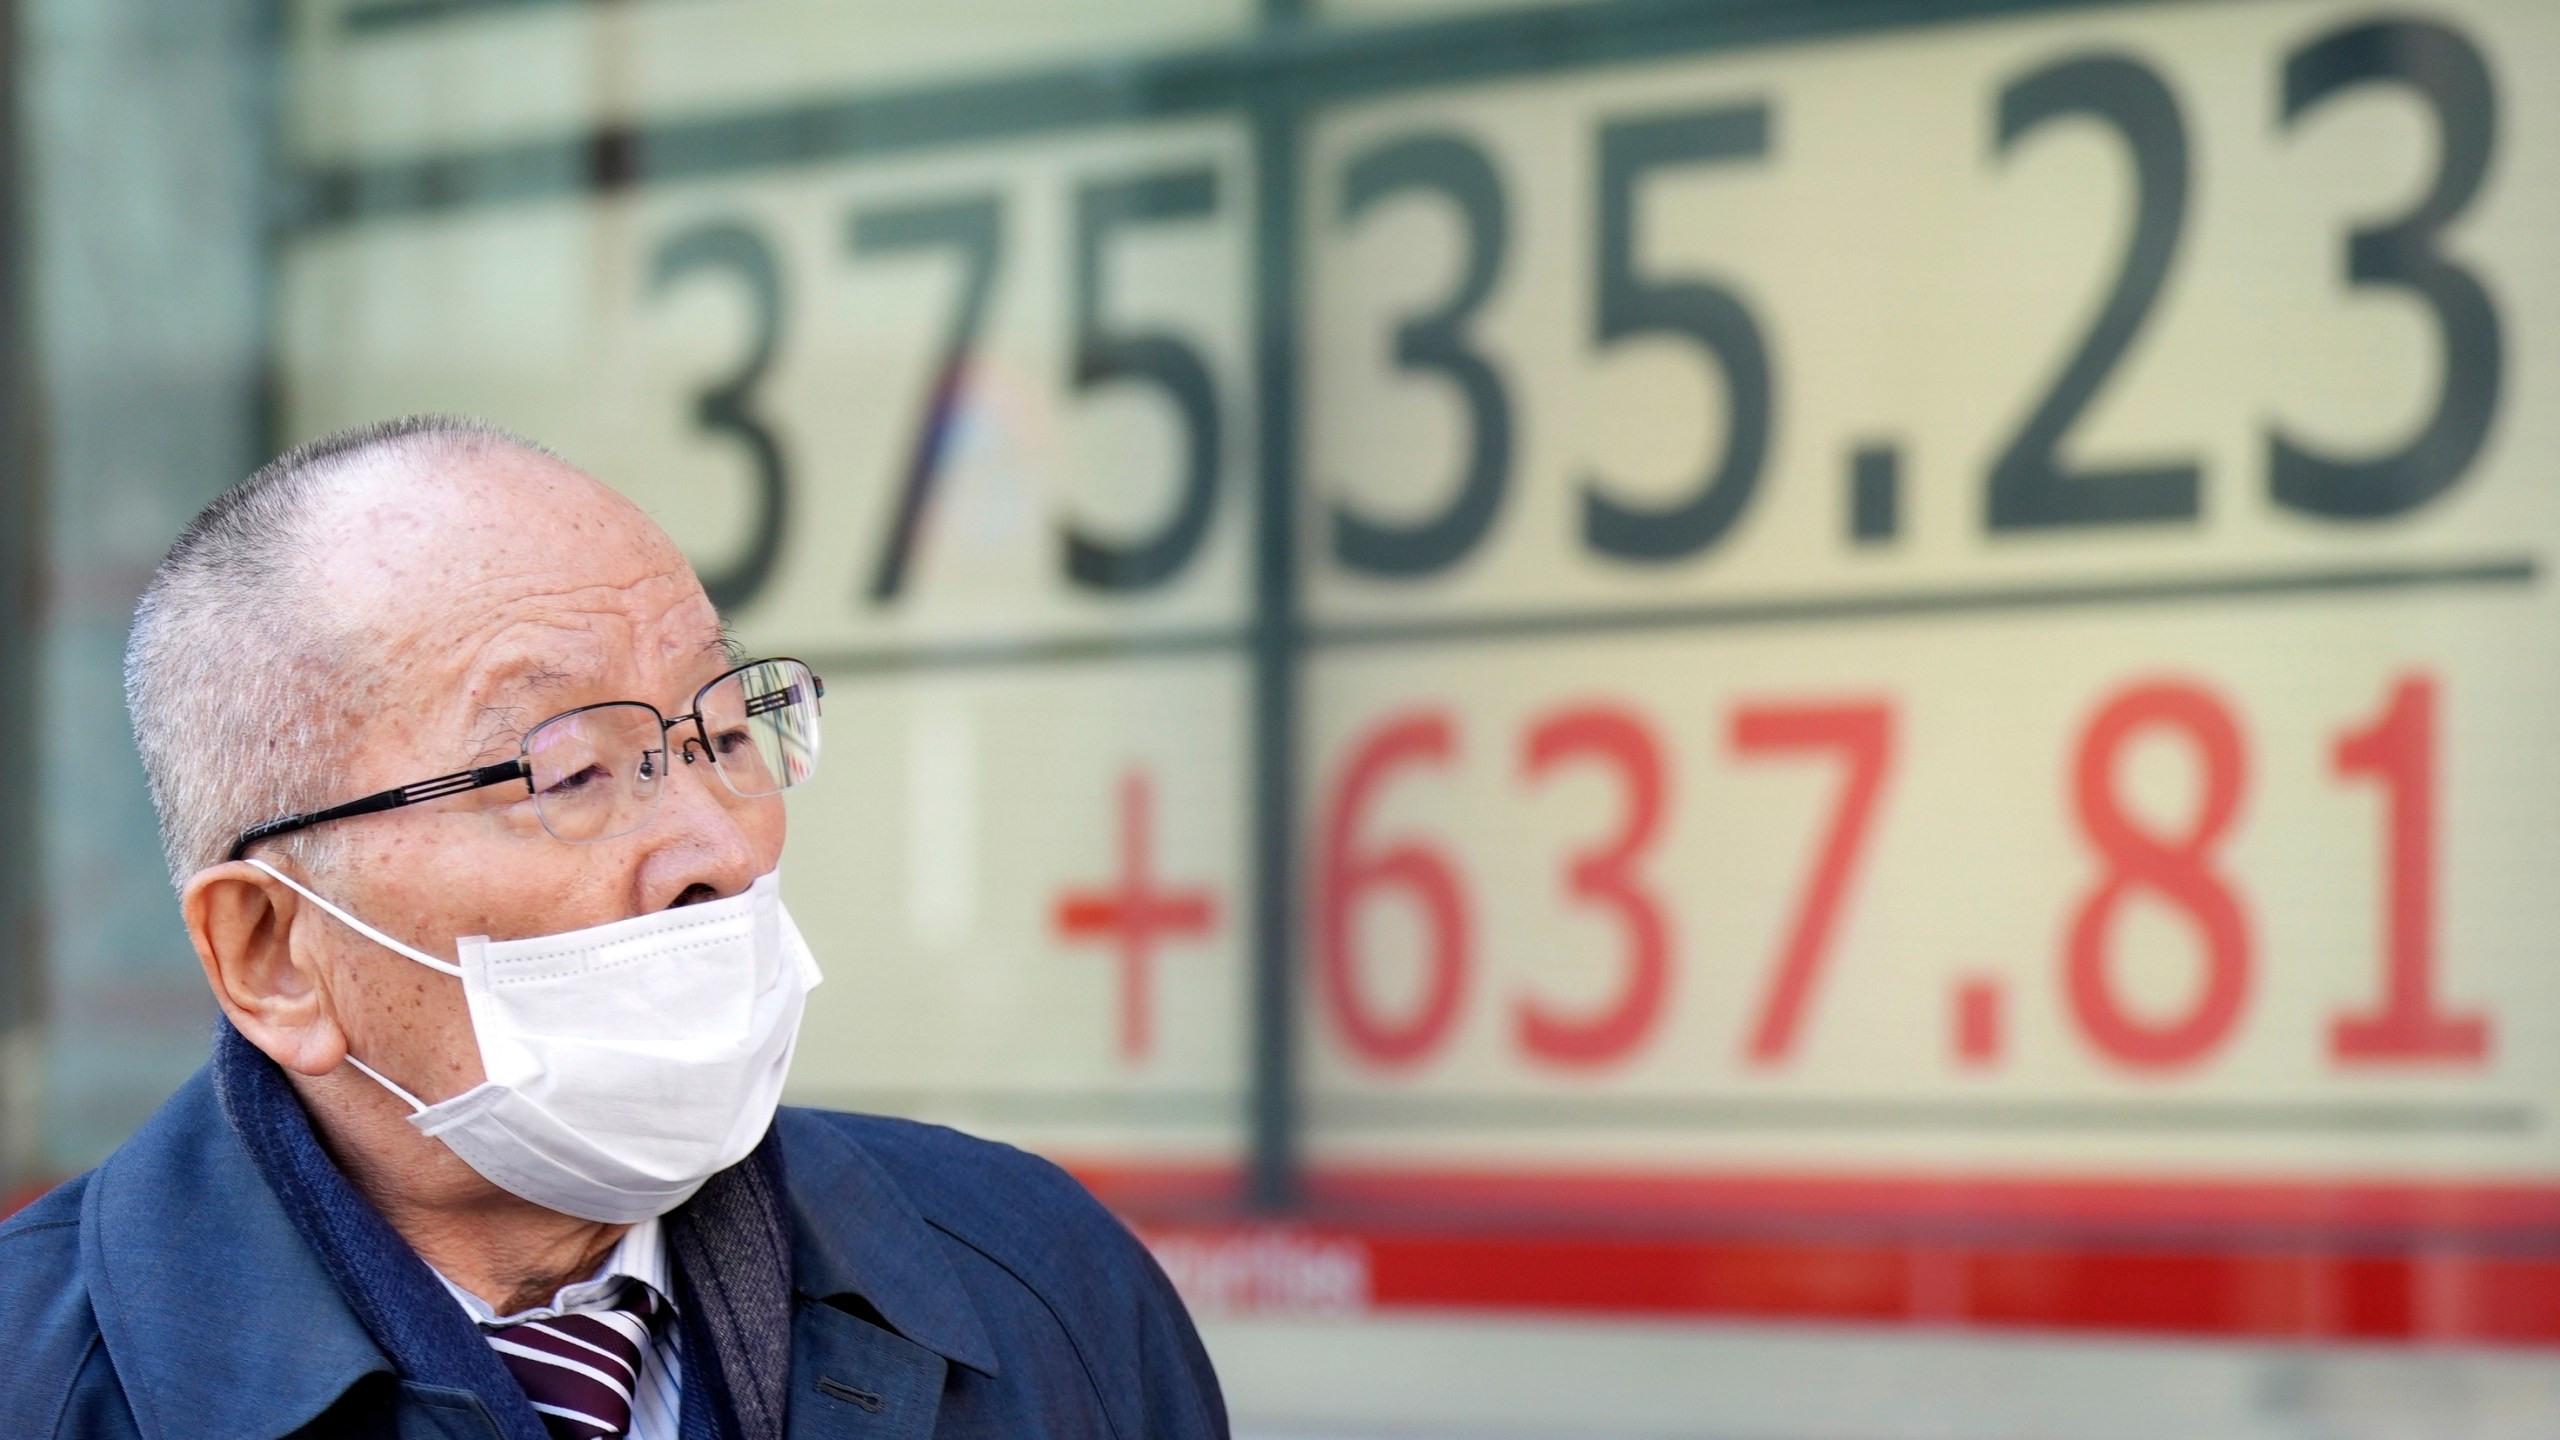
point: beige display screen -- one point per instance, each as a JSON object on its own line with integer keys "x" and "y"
{"x": 1898, "y": 624}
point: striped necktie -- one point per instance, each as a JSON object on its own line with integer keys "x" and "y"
{"x": 580, "y": 1371}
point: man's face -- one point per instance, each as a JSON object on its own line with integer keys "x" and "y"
{"x": 503, "y": 592}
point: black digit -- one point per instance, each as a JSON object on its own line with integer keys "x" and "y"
{"x": 973, "y": 227}
{"x": 1102, "y": 357}
{"x": 1706, "y": 313}
{"x": 2030, "y": 489}
{"x": 1457, "y": 170}
{"x": 727, "y": 406}
{"x": 2450, "y": 74}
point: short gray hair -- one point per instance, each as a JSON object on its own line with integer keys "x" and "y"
{"x": 233, "y": 671}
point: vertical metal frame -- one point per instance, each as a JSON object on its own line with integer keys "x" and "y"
{"x": 21, "y": 609}
{"x": 1278, "y": 644}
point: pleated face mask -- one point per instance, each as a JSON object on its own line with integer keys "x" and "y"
{"x": 627, "y": 1063}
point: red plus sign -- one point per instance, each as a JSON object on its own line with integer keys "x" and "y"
{"x": 1134, "y": 912}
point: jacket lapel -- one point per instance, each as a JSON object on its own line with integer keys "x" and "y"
{"x": 855, "y": 1233}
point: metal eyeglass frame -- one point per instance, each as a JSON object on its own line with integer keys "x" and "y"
{"x": 521, "y": 767}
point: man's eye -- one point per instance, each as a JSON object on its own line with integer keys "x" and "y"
{"x": 730, "y": 742}
{"x": 575, "y": 781}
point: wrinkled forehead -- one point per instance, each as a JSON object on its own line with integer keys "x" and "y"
{"x": 503, "y": 579}
{"x": 556, "y": 658}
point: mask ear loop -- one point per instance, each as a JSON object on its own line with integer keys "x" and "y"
{"x": 416, "y": 1105}
{"x": 361, "y": 928}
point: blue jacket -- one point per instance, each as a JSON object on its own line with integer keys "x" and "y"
{"x": 945, "y": 1286}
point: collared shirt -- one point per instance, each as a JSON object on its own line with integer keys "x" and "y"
{"x": 641, "y": 1255}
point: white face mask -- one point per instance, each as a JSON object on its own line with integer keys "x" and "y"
{"x": 627, "y": 1063}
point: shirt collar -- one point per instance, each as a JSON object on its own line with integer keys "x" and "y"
{"x": 641, "y": 1254}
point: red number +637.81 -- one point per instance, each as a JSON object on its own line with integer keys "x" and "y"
{"x": 2405, "y": 1020}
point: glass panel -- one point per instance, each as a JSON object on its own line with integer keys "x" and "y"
{"x": 1785, "y": 720}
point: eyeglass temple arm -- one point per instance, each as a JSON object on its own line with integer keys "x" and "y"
{"x": 424, "y": 790}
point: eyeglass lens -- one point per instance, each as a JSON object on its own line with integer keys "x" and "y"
{"x": 597, "y": 771}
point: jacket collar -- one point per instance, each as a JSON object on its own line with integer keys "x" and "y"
{"x": 224, "y": 1326}
{"x": 221, "y": 1321}
{"x": 855, "y": 1233}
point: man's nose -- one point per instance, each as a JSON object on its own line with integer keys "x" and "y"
{"x": 699, "y": 838}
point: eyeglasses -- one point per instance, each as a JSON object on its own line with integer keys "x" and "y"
{"x": 595, "y": 772}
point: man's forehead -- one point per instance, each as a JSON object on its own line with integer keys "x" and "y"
{"x": 494, "y": 575}
{"x": 451, "y": 541}
{"x": 441, "y": 519}
{"x": 558, "y": 659}
{"x": 527, "y": 678}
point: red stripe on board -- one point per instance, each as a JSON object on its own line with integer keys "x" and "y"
{"x": 2436, "y": 1209}
{"x": 2255, "y": 1294}
{"x": 2249, "y": 1259}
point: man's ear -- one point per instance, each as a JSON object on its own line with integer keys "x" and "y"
{"x": 242, "y": 919}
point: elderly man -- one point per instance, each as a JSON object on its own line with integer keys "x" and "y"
{"x": 474, "y": 818}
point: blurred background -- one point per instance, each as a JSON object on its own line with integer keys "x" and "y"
{"x": 1738, "y": 718}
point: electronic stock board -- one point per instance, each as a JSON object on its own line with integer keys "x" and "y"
{"x": 1628, "y": 620}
